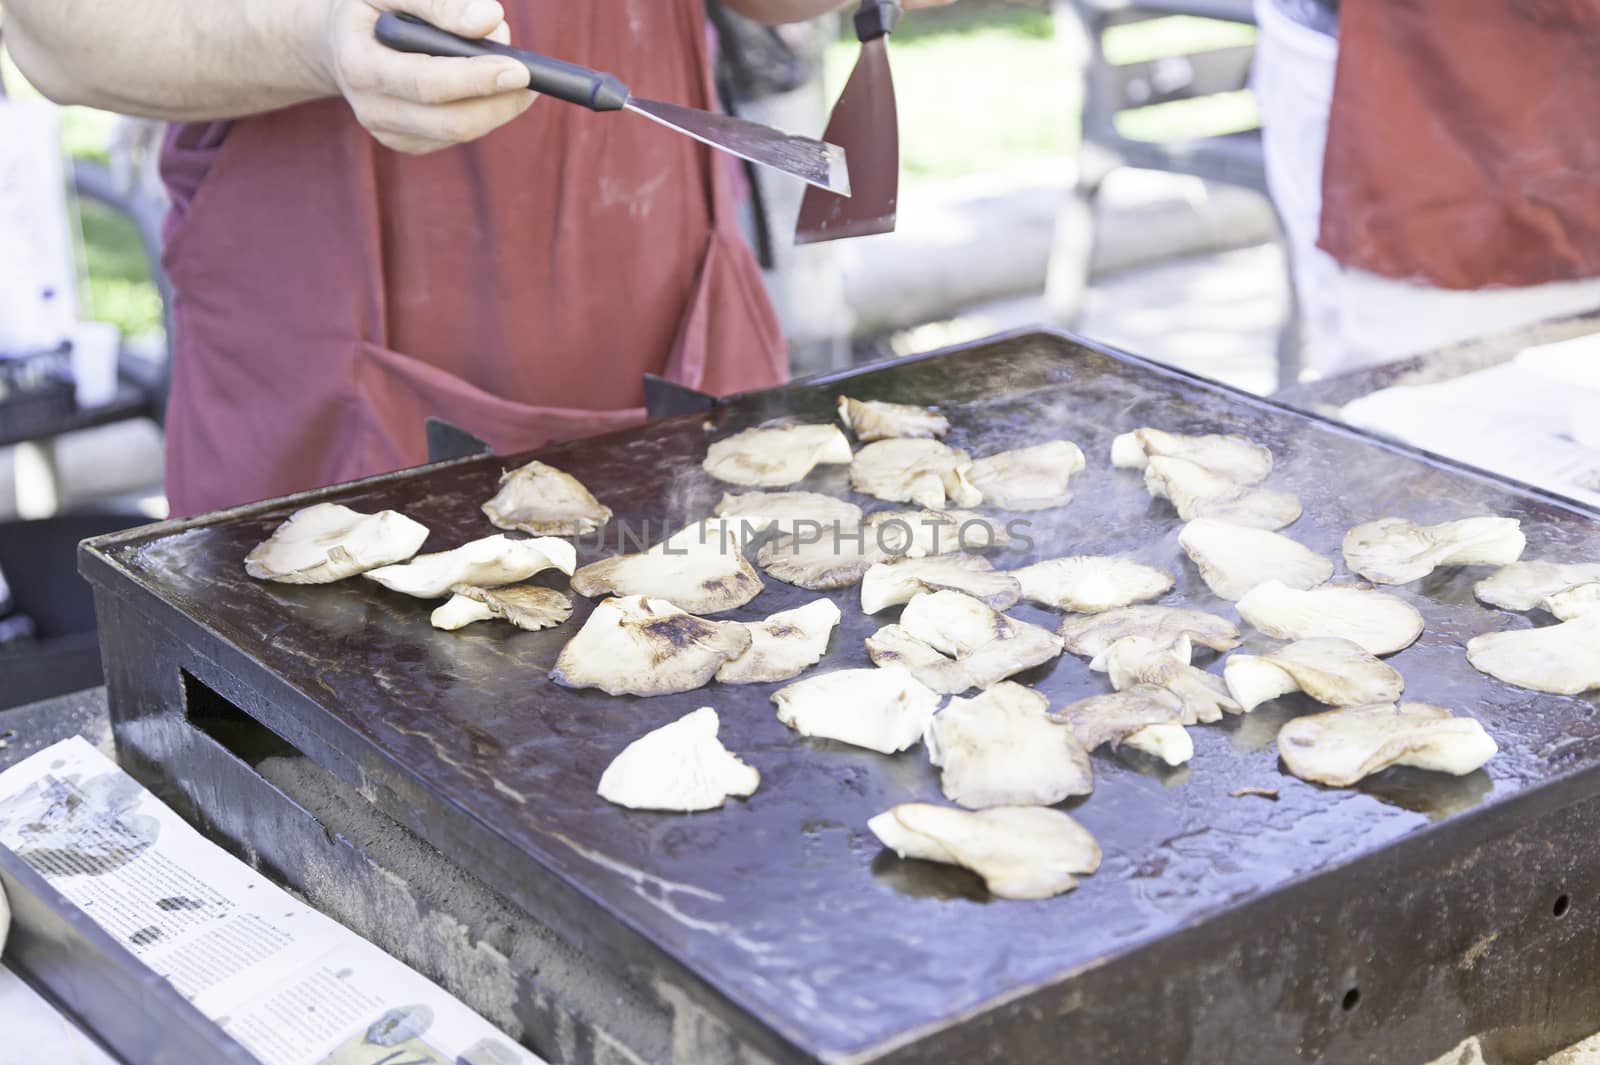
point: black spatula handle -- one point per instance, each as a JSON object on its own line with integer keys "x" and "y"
{"x": 876, "y": 18}
{"x": 565, "y": 81}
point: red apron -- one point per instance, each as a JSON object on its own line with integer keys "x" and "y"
{"x": 1463, "y": 145}
{"x": 332, "y": 293}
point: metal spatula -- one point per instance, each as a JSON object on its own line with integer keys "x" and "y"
{"x": 866, "y": 124}
{"x": 814, "y": 162}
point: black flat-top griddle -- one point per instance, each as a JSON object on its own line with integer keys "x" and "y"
{"x": 1378, "y": 924}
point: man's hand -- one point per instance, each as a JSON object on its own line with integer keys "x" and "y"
{"x": 418, "y": 103}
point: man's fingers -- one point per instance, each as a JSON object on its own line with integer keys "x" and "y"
{"x": 396, "y": 120}
{"x": 501, "y": 34}
{"x": 431, "y": 80}
{"x": 469, "y": 18}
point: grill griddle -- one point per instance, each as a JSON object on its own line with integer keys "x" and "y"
{"x": 1381, "y": 923}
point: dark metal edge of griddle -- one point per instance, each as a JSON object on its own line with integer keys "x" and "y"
{"x": 132, "y": 1012}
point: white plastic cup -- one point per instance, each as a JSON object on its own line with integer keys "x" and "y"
{"x": 95, "y": 347}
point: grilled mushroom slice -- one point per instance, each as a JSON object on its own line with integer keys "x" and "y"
{"x": 1001, "y": 748}
{"x": 1025, "y": 852}
{"x": 327, "y": 542}
{"x": 785, "y": 645}
{"x": 884, "y": 710}
{"x": 1233, "y": 457}
{"x": 1029, "y": 478}
{"x": 1342, "y": 747}
{"x": 831, "y": 558}
{"x": 1562, "y": 659}
{"x": 542, "y": 500}
{"x": 527, "y": 607}
{"x": 775, "y": 457}
{"x": 1397, "y": 551}
{"x": 1134, "y": 661}
{"x": 894, "y": 646}
{"x": 1233, "y": 559}
{"x": 873, "y": 419}
{"x": 1144, "y": 717}
{"x": 1196, "y": 492}
{"x": 1333, "y": 671}
{"x": 1377, "y": 621}
{"x": 1574, "y": 602}
{"x": 920, "y": 533}
{"x": 640, "y": 646}
{"x": 895, "y": 582}
{"x": 679, "y": 767}
{"x": 1525, "y": 585}
{"x": 791, "y": 513}
{"x": 487, "y": 563}
{"x": 988, "y": 644}
{"x": 704, "y": 583}
{"x": 1091, "y": 584}
{"x": 1163, "y": 626}
{"x": 924, "y": 472}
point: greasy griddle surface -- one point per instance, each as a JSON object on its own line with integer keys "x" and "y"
{"x": 786, "y": 902}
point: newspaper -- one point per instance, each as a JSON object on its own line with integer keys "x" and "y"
{"x": 35, "y": 1031}
{"x": 291, "y": 985}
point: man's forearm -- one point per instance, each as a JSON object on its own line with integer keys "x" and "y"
{"x": 172, "y": 59}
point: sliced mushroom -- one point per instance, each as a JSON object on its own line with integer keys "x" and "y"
{"x": 1562, "y": 659}
{"x": 1525, "y": 585}
{"x": 1397, "y": 551}
{"x": 1144, "y": 717}
{"x": 1196, "y": 492}
{"x": 1026, "y": 852}
{"x": 1029, "y": 478}
{"x": 1091, "y": 584}
{"x": 705, "y": 583}
{"x": 884, "y": 710}
{"x": 487, "y": 563}
{"x": 1134, "y": 661}
{"x": 1234, "y": 457}
{"x": 1163, "y": 626}
{"x": 640, "y": 646}
{"x": 327, "y": 542}
{"x": 789, "y": 513}
{"x": 1001, "y": 748}
{"x": 545, "y": 501}
{"x": 527, "y": 607}
{"x": 1341, "y": 747}
{"x": 1377, "y": 621}
{"x": 832, "y": 558}
{"x": 924, "y": 472}
{"x": 894, "y": 646}
{"x": 1574, "y": 602}
{"x": 680, "y": 767}
{"x": 1335, "y": 672}
{"x": 921, "y": 533}
{"x": 1234, "y": 559}
{"x": 785, "y": 645}
{"x": 775, "y": 457}
{"x": 989, "y": 645}
{"x": 875, "y": 420}
{"x": 895, "y": 582}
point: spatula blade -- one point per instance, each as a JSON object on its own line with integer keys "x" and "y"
{"x": 866, "y": 125}
{"x": 818, "y": 164}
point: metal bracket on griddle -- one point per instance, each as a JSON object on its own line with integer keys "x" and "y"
{"x": 447, "y": 441}
{"x": 667, "y": 399}
{"x": 121, "y": 1003}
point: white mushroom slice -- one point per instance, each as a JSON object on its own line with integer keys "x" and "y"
{"x": 1335, "y": 672}
{"x": 698, "y": 583}
{"x": 1029, "y": 478}
{"x": 1574, "y": 602}
{"x": 680, "y": 767}
{"x": 1397, "y": 551}
{"x": 921, "y": 533}
{"x": 1090, "y": 584}
{"x": 790, "y": 512}
{"x": 894, "y": 646}
{"x": 708, "y": 536}
{"x": 639, "y": 646}
{"x": 1342, "y": 747}
{"x": 875, "y": 420}
{"x": 1144, "y": 717}
{"x": 924, "y": 472}
{"x": 894, "y": 583}
{"x": 1026, "y": 852}
{"x": 1234, "y": 559}
{"x": 831, "y": 558}
{"x": 1377, "y": 621}
{"x": 989, "y": 645}
{"x": 327, "y": 542}
{"x": 545, "y": 501}
{"x": 1562, "y": 659}
{"x": 1134, "y": 661}
{"x": 1196, "y": 492}
{"x": 775, "y": 457}
{"x": 883, "y": 710}
{"x": 784, "y": 645}
{"x": 1163, "y": 626}
{"x": 1525, "y": 585}
{"x": 530, "y": 607}
{"x": 1234, "y": 457}
{"x": 486, "y": 563}
{"x": 1001, "y": 748}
